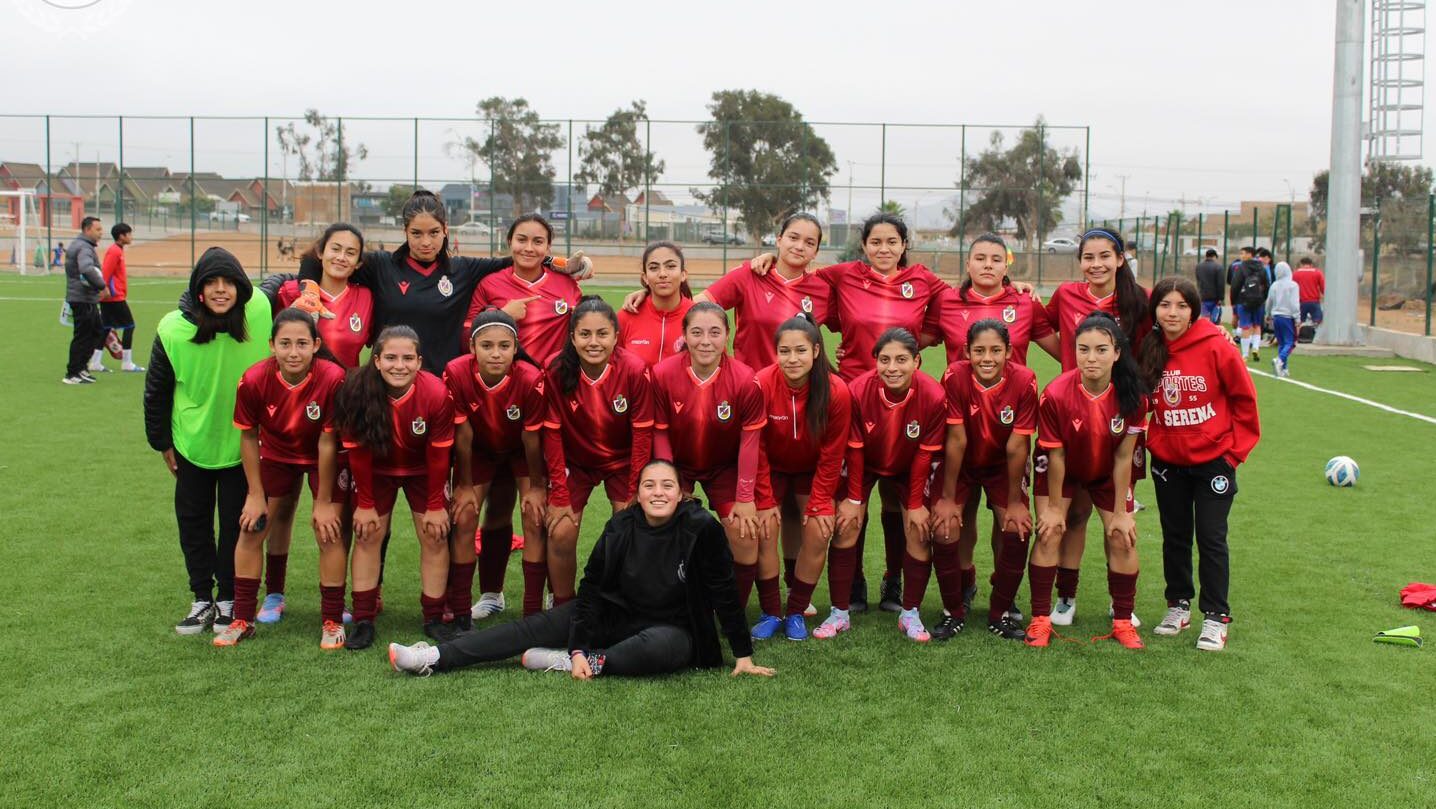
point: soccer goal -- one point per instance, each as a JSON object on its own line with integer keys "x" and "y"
{"x": 18, "y": 219}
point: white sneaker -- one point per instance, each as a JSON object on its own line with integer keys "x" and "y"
{"x": 224, "y": 615}
{"x": 488, "y": 604}
{"x": 910, "y": 624}
{"x": 541, "y": 659}
{"x": 1214, "y": 635}
{"x": 1178, "y": 618}
{"x": 1276, "y": 366}
{"x": 1064, "y": 611}
{"x": 417, "y": 659}
{"x": 200, "y": 617}
{"x": 1136, "y": 622}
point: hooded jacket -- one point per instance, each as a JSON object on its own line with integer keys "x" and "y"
{"x": 1284, "y": 299}
{"x": 190, "y": 387}
{"x": 83, "y": 280}
{"x": 1204, "y": 407}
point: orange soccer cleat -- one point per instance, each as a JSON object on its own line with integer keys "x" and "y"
{"x": 1039, "y": 632}
{"x": 1124, "y": 633}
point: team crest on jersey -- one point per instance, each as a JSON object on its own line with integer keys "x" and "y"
{"x": 560, "y": 307}
{"x": 913, "y": 429}
{"x": 725, "y": 410}
{"x": 311, "y": 410}
{"x": 907, "y": 290}
{"x": 1009, "y": 314}
{"x": 620, "y": 405}
{"x": 513, "y": 412}
{"x": 356, "y": 323}
{"x": 807, "y": 304}
{"x": 418, "y": 426}
{"x": 1007, "y": 415}
{"x": 446, "y": 287}
{"x": 1171, "y": 392}
{"x": 1118, "y": 425}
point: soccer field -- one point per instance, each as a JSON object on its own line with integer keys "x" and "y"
{"x": 104, "y": 705}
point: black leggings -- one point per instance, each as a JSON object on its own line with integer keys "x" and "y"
{"x": 199, "y": 494}
{"x": 634, "y": 648}
{"x": 1195, "y": 500}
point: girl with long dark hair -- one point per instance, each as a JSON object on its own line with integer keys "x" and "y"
{"x": 537, "y": 297}
{"x": 654, "y": 330}
{"x": 347, "y": 324}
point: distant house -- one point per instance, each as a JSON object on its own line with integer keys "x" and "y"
{"x": 367, "y": 207}
{"x": 63, "y": 209}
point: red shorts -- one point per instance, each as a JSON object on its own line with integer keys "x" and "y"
{"x": 486, "y": 468}
{"x": 870, "y": 480}
{"x": 992, "y": 480}
{"x": 1139, "y": 458}
{"x": 581, "y": 483}
{"x": 799, "y": 483}
{"x": 344, "y": 491}
{"x": 721, "y": 488}
{"x": 416, "y": 491}
{"x": 282, "y": 479}
{"x": 1103, "y": 495}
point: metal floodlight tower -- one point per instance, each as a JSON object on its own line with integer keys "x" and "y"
{"x": 1343, "y": 228}
{"x": 1397, "y": 89}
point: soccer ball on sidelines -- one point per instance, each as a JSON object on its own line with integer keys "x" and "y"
{"x": 1342, "y": 471}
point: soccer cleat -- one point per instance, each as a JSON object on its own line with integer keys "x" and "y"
{"x": 133, "y": 369}
{"x": 418, "y": 659}
{"x": 72, "y": 380}
{"x": 1014, "y": 614}
{"x": 767, "y": 626}
{"x": 1214, "y": 634}
{"x": 488, "y": 604}
{"x": 795, "y": 628}
{"x": 858, "y": 598}
{"x": 224, "y": 615}
{"x": 461, "y": 624}
{"x": 1007, "y": 628}
{"x": 1256, "y": 355}
{"x": 1137, "y": 622}
{"x": 331, "y": 637}
{"x": 1124, "y": 633}
{"x": 1039, "y": 632}
{"x": 948, "y": 627}
{"x": 810, "y": 611}
{"x": 910, "y": 624}
{"x": 891, "y": 593}
{"x": 540, "y": 659}
{"x": 200, "y": 618}
{"x": 1178, "y": 617}
{"x": 272, "y": 609}
{"x": 362, "y": 636}
{"x": 836, "y": 623}
{"x": 1276, "y": 366}
{"x": 237, "y": 631}
{"x": 97, "y": 369}
{"x": 1064, "y": 611}
{"x": 438, "y": 631}
{"x": 85, "y": 376}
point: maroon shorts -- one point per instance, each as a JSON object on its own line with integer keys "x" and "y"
{"x": 721, "y": 489}
{"x": 1103, "y": 495}
{"x": 992, "y": 480}
{"x": 799, "y": 483}
{"x": 581, "y": 483}
{"x": 486, "y": 468}
{"x": 282, "y": 479}
{"x": 870, "y": 480}
{"x": 416, "y": 491}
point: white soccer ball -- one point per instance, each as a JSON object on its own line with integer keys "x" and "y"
{"x": 1342, "y": 471}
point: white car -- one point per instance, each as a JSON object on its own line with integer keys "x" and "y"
{"x": 225, "y": 216}
{"x": 1060, "y": 244}
{"x": 474, "y": 229}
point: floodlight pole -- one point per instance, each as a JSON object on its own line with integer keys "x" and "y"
{"x": 1343, "y": 229}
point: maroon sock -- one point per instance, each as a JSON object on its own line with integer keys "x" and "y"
{"x": 432, "y": 607}
{"x": 1039, "y": 578}
{"x": 246, "y": 597}
{"x": 842, "y": 563}
{"x": 859, "y": 550}
{"x": 746, "y": 575}
{"x": 365, "y": 604}
{"x": 1121, "y": 586}
{"x": 948, "y": 572}
{"x": 894, "y": 542}
{"x": 790, "y": 567}
{"x": 800, "y": 595}
{"x": 275, "y": 567}
{"x": 331, "y": 603}
{"x": 914, "y": 580}
{"x": 969, "y": 577}
{"x": 1006, "y": 574}
{"x": 535, "y": 575}
{"x": 1067, "y": 582}
{"x": 770, "y": 598}
{"x": 460, "y": 594}
{"x": 495, "y": 545}
{"x": 559, "y": 600}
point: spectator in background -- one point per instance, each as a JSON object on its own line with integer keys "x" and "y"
{"x": 1249, "y": 288}
{"x": 1284, "y": 303}
{"x": 1131, "y": 256}
{"x": 1233, "y": 271}
{"x": 82, "y": 291}
{"x": 114, "y": 309}
{"x": 1211, "y": 285}
{"x": 58, "y": 257}
{"x": 1263, "y": 255}
{"x": 1311, "y": 282}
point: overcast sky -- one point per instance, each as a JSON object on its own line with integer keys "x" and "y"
{"x": 1215, "y": 102}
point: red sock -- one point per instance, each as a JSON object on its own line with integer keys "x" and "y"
{"x": 1006, "y": 574}
{"x": 559, "y": 600}
{"x": 949, "y": 577}
{"x": 790, "y": 567}
{"x": 860, "y": 549}
{"x": 495, "y": 545}
{"x": 842, "y": 563}
{"x": 460, "y": 595}
{"x": 365, "y": 604}
{"x": 770, "y": 598}
{"x": 275, "y": 567}
{"x": 1067, "y": 582}
{"x": 894, "y": 542}
{"x": 1121, "y": 586}
{"x": 246, "y": 598}
{"x": 800, "y": 595}
{"x": 432, "y": 607}
{"x": 1039, "y": 578}
{"x": 331, "y": 603}
{"x": 746, "y": 575}
{"x": 914, "y": 580}
{"x": 535, "y": 575}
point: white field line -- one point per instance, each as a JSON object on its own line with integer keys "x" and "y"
{"x": 1337, "y": 393}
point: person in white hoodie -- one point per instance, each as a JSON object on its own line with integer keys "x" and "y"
{"x": 1284, "y": 304}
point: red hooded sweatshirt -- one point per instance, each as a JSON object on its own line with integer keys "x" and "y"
{"x": 1205, "y": 405}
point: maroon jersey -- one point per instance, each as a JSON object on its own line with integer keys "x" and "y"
{"x": 352, "y": 326}
{"x": 1070, "y": 305}
{"x": 762, "y": 303}
{"x": 499, "y": 415}
{"x": 1024, "y": 318}
{"x": 1088, "y": 428}
{"x": 865, "y": 304}
{"x": 422, "y": 417}
{"x": 891, "y": 432}
{"x": 990, "y": 415}
{"x": 705, "y": 418}
{"x": 544, "y": 327}
{"x": 289, "y": 417}
{"x": 596, "y": 421}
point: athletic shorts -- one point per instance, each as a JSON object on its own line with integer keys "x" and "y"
{"x": 1311, "y": 310}
{"x": 282, "y": 479}
{"x": 581, "y": 482}
{"x": 992, "y": 480}
{"x": 116, "y": 315}
{"x": 1212, "y": 310}
{"x": 416, "y": 491}
{"x": 1103, "y": 495}
{"x": 870, "y": 480}
{"x": 1250, "y": 316}
{"x": 799, "y": 483}
{"x": 721, "y": 489}
{"x": 486, "y": 468}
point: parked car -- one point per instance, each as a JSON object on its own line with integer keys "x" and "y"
{"x": 474, "y": 229}
{"x": 1061, "y": 244}
{"x": 226, "y": 216}
{"x": 722, "y": 238}
{"x": 769, "y": 241}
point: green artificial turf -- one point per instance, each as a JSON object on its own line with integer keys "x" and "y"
{"x": 105, "y": 706}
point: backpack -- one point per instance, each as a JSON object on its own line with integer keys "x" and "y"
{"x": 1253, "y": 286}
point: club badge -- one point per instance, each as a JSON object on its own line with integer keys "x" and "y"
{"x": 344, "y": 480}
{"x": 807, "y": 304}
{"x": 1118, "y": 425}
{"x": 560, "y": 307}
{"x": 1006, "y": 416}
{"x": 418, "y": 426}
{"x": 620, "y": 405}
{"x": 907, "y": 290}
{"x": 1009, "y": 314}
{"x": 356, "y": 323}
{"x": 725, "y": 411}
{"x": 446, "y": 287}
{"x": 1171, "y": 392}
{"x": 312, "y": 411}
{"x": 513, "y": 412}
{"x": 913, "y": 429}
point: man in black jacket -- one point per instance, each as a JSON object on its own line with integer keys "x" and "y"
{"x": 1249, "y": 288}
{"x": 1212, "y": 285}
{"x": 83, "y": 283}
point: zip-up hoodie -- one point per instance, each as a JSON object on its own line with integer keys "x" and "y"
{"x": 1284, "y": 299}
{"x": 1205, "y": 404}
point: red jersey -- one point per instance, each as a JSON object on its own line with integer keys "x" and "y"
{"x": 351, "y": 328}
{"x": 791, "y": 448}
{"x": 1071, "y": 304}
{"x": 652, "y": 335}
{"x": 289, "y": 417}
{"x": 421, "y": 418}
{"x": 544, "y": 327}
{"x": 112, "y": 269}
{"x": 1088, "y": 428}
{"x": 1204, "y": 407}
{"x": 762, "y": 303}
{"x": 705, "y": 419}
{"x": 865, "y": 304}
{"x": 1024, "y": 318}
{"x": 898, "y": 439}
{"x": 499, "y": 416}
{"x": 600, "y": 424}
{"x": 1310, "y": 283}
{"x": 990, "y": 415}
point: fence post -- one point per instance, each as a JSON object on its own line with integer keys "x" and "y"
{"x": 728, "y": 173}
{"x": 1255, "y": 226}
{"x": 1201, "y": 254}
{"x": 1086, "y": 176}
{"x": 1430, "y": 233}
{"x": 883, "y": 170}
{"x": 961, "y": 203}
{"x": 1041, "y": 177}
{"x": 339, "y": 173}
{"x": 648, "y": 178}
{"x": 50, "y": 198}
{"x": 120, "y": 186}
{"x": 568, "y": 196}
{"x": 1226, "y": 224}
{"x": 493, "y": 192}
{"x": 191, "y": 191}
{"x": 264, "y": 207}
{"x": 1289, "y": 214}
{"x": 416, "y": 161}
{"x": 1375, "y": 258}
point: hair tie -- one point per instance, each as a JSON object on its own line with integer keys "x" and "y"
{"x": 1106, "y": 234}
{"x": 499, "y": 323}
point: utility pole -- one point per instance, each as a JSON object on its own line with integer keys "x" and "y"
{"x": 1343, "y": 263}
{"x": 1122, "y": 211}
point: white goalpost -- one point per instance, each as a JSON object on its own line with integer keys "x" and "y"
{"x": 26, "y": 215}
